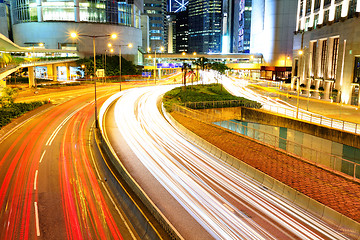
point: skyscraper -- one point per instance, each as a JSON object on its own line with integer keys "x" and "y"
{"x": 156, "y": 10}
{"x": 205, "y": 26}
{"x": 244, "y": 26}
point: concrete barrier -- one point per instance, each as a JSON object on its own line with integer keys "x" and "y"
{"x": 319, "y": 210}
{"x": 150, "y": 232}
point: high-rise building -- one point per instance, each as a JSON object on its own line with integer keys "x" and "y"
{"x": 51, "y": 21}
{"x": 272, "y": 27}
{"x": 205, "y": 26}
{"x": 156, "y": 10}
{"x": 5, "y": 22}
{"x": 177, "y": 5}
{"x": 182, "y": 32}
{"x": 244, "y": 26}
{"x": 327, "y": 33}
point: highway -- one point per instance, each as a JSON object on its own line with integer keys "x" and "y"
{"x": 226, "y": 204}
{"x": 50, "y": 186}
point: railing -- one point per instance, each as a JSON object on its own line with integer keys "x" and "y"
{"x": 315, "y": 118}
{"x": 223, "y": 104}
{"x": 319, "y": 158}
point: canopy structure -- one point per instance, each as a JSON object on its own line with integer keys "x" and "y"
{"x": 6, "y": 45}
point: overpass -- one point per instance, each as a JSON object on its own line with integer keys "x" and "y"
{"x": 7, "y": 46}
{"x": 166, "y": 62}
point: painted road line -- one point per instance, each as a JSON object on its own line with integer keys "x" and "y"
{"x": 35, "y": 180}
{"x": 37, "y": 219}
{"x": 42, "y": 156}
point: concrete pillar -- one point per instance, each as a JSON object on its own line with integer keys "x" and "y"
{"x": 77, "y": 11}
{"x": 31, "y": 77}
{"x": 133, "y": 20}
{"x": 49, "y": 71}
{"x": 327, "y": 86}
{"x": 39, "y": 10}
{"x": 67, "y": 71}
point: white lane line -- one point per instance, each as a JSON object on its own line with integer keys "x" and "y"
{"x": 37, "y": 219}
{"x": 42, "y": 156}
{"x": 53, "y": 135}
{"x": 35, "y": 180}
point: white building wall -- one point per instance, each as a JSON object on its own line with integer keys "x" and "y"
{"x": 272, "y": 25}
{"x": 54, "y": 33}
{"x": 348, "y": 32}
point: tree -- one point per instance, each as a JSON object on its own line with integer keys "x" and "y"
{"x": 5, "y": 59}
{"x": 185, "y": 67}
{"x": 7, "y": 97}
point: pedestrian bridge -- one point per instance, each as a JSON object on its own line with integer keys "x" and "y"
{"x": 51, "y": 65}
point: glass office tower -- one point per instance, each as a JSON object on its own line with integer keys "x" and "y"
{"x": 205, "y": 26}
{"x": 51, "y": 21}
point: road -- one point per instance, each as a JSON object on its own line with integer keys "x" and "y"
{"x": 172, "y": 171}
{"x": 50, "y": 187}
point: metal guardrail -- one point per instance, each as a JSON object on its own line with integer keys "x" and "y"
{"x": 335, "y": 163}
{"x": 223, "y": 104}
{"x": 315, "y": 118}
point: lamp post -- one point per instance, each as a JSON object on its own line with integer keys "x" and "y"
{"x": 75, "y": 35}
{"x": 149, "y": 51}
{"x": 33, "y": 58}
{"x": 120, "y": 45}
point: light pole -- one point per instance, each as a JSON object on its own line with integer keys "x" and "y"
{"x": 301, "y": 52}
{"x": 149, "y": 51}
{"x": 120, "y": 45}
{"x": 33, "y": 57}
{"x": 75, "y": 35}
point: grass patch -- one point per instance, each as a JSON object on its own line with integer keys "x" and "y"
{"x": 206, "y": 94}
{"x": 15, "y": 110}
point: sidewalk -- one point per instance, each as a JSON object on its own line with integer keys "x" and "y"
{"x": 339, "y": 111}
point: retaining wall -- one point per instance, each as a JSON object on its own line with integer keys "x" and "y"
{"x": 321, "y": 211}
{"x": 335, "y": 135}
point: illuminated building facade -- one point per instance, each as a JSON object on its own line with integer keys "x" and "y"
{"x": 182, "y": 32}
{"x": 244, "y": 26}
{"x": 205, "y": 26}
{"x": 328, "y": 33}
{"x": 156, "y": 10}
{"x": 51, "y": 21}
{"x": 272, "y": 29}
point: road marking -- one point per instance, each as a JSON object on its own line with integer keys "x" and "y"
{"x": 37, "y": 219}
{"x": 42, "y": 156}
{"x": 35, "y": 180}
{"x": 53, "y": 135}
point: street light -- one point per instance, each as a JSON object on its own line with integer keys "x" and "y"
{"x": 301, "y": 52}
{"x": 33, "y": 58}
{"x": 113, "y": 36}
{"x": 120, "y": 45}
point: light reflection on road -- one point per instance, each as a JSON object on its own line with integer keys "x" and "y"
{"x": 226, "y": 203}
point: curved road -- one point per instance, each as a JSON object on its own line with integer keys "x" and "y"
{"x": 215, "y": 199}
{"x": 49, "y": 184}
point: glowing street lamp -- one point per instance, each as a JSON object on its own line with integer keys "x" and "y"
{"x": 76, "y": 35}
{"x": 120, "y": 45}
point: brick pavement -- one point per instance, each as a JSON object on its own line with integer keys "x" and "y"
{"x": 334, "y": 191}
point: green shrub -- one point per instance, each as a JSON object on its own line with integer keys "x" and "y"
{"x": 205, "y": 96}
{"x": 15, "y": 110}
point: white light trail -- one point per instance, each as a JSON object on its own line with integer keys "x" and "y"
{"x": 207, "y": 188}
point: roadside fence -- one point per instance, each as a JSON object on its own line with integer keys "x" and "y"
{"x": 336, "y": 163}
